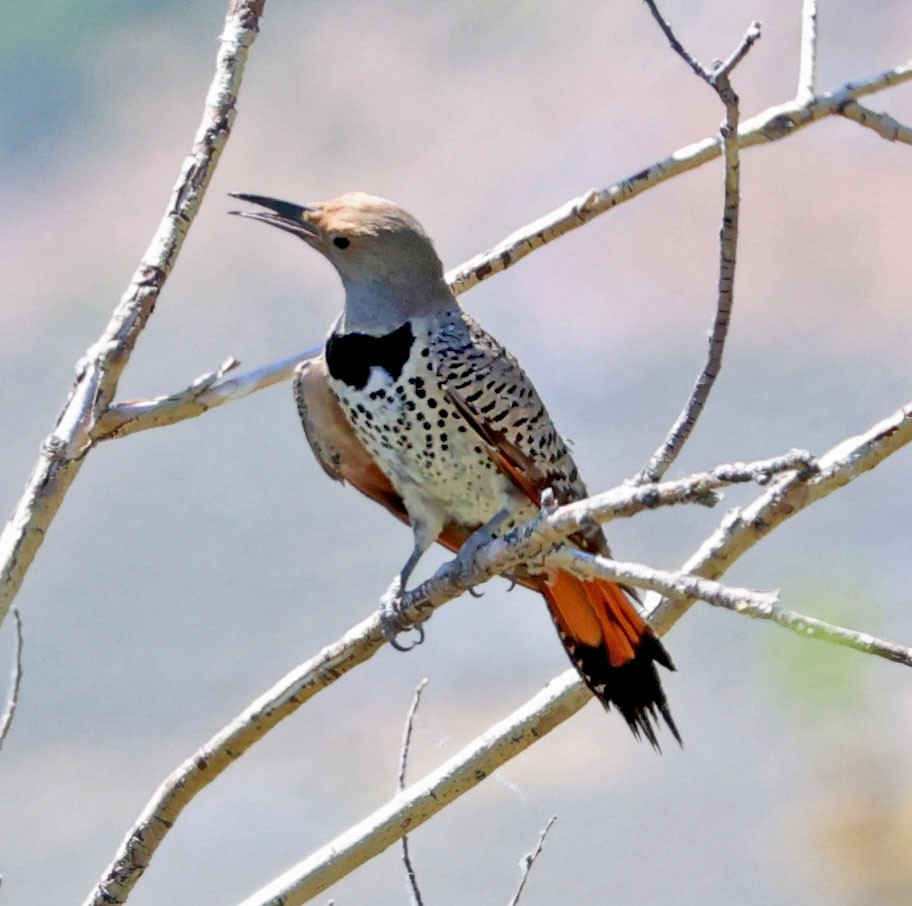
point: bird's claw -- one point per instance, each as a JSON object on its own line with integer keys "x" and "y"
{"x": 392, "y": 622}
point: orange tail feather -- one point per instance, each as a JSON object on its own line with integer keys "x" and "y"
{"x": 613, "y": 649}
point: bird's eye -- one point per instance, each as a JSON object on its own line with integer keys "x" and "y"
{"x": 341, "y": 242}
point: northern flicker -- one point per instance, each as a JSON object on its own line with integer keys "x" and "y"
{"x": 419, "y": 408}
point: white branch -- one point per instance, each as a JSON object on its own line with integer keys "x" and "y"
{"x": 363, "y": 640}
{"x": 773, "y": 124}
{"x": 743, "y": 528}
{"x": 98, "y": 372}
{"x": 812, "y": 628}
{"x": 560, "y": 699}
{"x": 807, "y": 67}
{"x": 566, "y": 694}
{"x": 205, "y": 393}
{"x": 12, "y": 698}
{"x": 882, "y": 123}
{"x": 676, "y": 584}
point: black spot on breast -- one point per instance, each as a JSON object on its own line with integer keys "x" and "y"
{"x": 351, "y": 356}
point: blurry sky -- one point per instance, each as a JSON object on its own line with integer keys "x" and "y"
{"x": 190, "y": 567}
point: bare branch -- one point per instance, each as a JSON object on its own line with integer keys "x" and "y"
{"x": 403, "y": 762}
{"x": 98, "y": 372}
{"x": 718, "y": 79}
{"x": 676, "y": 45}
{"x": 812, "y": 628}
{"x": 207, "y": 763}
{"x": 12, "y": 699}
{"x": 529, "y": 858}
{"x": 771, "y": 125}
{"x": 743, "y": 528}
{"x": 882, "y": 123}
{"x": 205, "y": 393}
{"x": 677, "y": 584}
{"x": 807, "y": 71}
{"x": 559, "y": 700}
{"x": 845, "y": 462}
{"x": 365, "y": 639}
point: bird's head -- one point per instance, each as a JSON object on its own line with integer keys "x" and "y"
{"x": 387, "y": 262}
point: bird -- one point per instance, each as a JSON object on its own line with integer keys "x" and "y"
{"x": 418, "y": 407}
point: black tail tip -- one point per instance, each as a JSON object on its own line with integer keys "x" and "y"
{"x": 634, "y": 688}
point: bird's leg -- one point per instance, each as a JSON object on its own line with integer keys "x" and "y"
{"x": 391, "y": 620}
{"x": 477, "y": 540}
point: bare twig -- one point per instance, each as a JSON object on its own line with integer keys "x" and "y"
{"x": 812, "y": 628}
{"x": 528, "y": 860}
{"x": 743, "y": 528}
{"x": 882, "y": 123}
{"x": 205, "y": 393}
{"x": 773, "y": 124}
{"x": 12, "y": 699}
{"x": 403, "y": 762}
{"x": 807, "y": 67}
{"x": 719, "y": 80}
{"x": 99, "y": 371}
{"x": 677, "y": 584}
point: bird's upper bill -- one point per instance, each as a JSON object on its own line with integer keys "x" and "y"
{"x": 319, "y": 224}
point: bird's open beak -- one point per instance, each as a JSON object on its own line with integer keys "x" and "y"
{"x": 293, "y": 218}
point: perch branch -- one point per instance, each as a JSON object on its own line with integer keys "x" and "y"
{"x": 365, "y": 639}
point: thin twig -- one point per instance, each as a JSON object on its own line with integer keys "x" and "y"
{"x": 807, "y": 66}
{"x": 773, "y": 124}
{"x": 676, "y": 45}
{"x": 812, "y": 628}
{"x": 403, "y": 763}
{"x": 882, "y": 123}
{"x": 528, "y": 860}
{"x": 789, "y": 494}
{"x": 201, "y": 396}
{"x": 98, "y": 372}
{"x": 677, "y": 584}
{"x": 12, "y": 700}
{"x": 719, "y": 80}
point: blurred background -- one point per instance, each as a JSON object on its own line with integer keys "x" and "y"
{"x": 191, "y": 567}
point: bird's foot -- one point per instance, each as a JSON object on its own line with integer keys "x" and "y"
{"x": 470, "y": 547}
{"x": 392, "y": 620}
